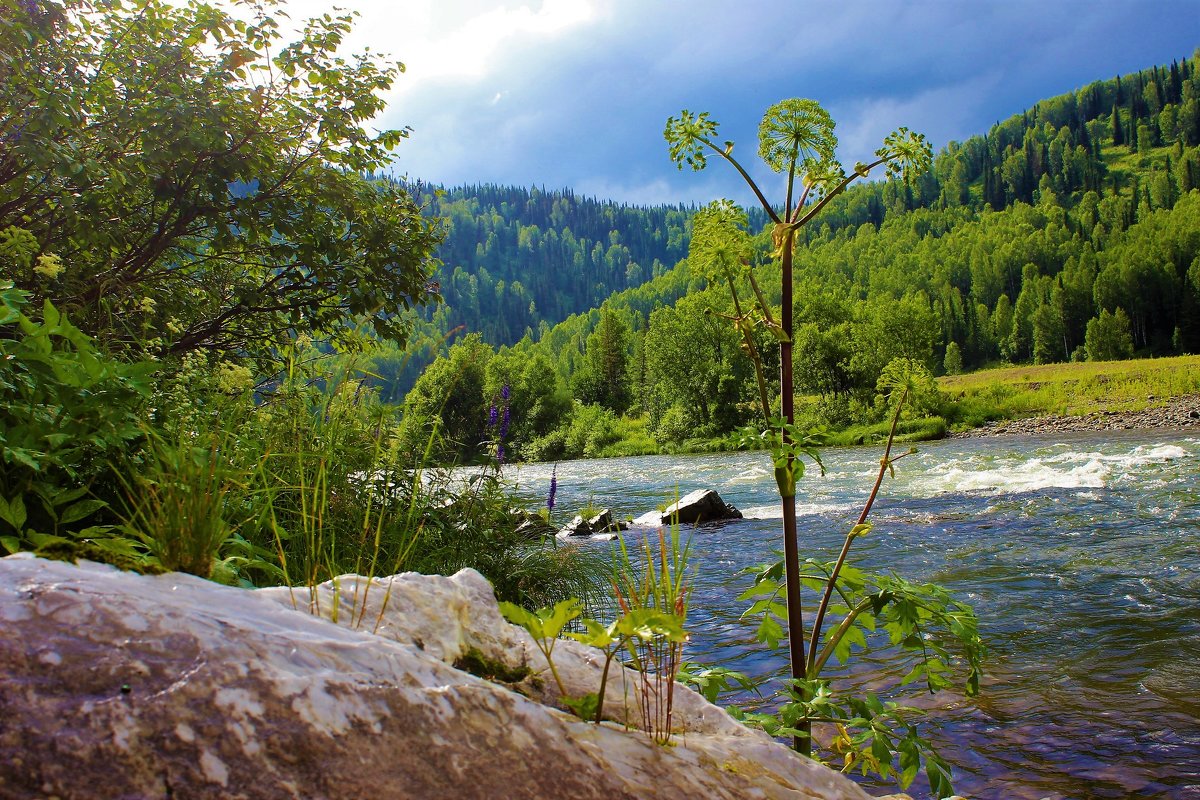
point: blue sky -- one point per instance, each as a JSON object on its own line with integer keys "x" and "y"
{"x": 575, "y": 93}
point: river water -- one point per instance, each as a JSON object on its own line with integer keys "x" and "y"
{"x": 1079, "y": 552}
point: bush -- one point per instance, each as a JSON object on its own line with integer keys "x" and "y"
{"x": 68, "y": 413}
{"x": 674, "y": 427}
{"x": 592, "y": 429}
{"x": 953, "y": 362}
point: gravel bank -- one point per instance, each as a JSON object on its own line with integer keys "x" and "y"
{"x": 1178, "y": 413}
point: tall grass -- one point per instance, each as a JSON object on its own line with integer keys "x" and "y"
{"x": 306, "y": 478}
{"x": 658, "y": 582}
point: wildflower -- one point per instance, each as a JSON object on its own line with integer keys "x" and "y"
{"x": 504, "y": 423}
{"x": 500, "y": 453}
{"x": 493, "y": 414}
{"x": 174, "y": 325}
{"x": 146, "y": 305}
{"x": 49, "y": 266}
{"x": 504, "y": 393}
{"x": 553, "y": 489}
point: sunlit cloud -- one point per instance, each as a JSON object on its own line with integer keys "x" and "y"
{"x": 574, "y": 93}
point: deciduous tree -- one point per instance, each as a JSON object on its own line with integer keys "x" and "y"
{"x": 202, "y": 178}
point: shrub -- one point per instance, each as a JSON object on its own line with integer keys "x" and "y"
{"x": 68, "y": 413}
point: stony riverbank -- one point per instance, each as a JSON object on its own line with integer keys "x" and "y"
{"x": 1177, "y": 413}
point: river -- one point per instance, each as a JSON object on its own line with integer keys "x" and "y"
{"x": 1079, "y": 552}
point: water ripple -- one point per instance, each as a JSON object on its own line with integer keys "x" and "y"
{"x": 1080, "y": 554}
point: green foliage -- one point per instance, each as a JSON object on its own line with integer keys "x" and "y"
{"x": 952, "y": 362}
{"x": 201, "y": 179}
{"x": 591, "y": 429}
{"x": 713, "y": 682}
{"x": 653, "y": 597}
{"x": 545, "y": 625}
{"x": 185, "y": 507}
{"x": 934, "y": 633}
{"x": 603, "y": 378}
{"x": 1108, "y": 337}
{"x": 447, "y": 402}
{"x": 67, "y": 413}
{"x": 517, "y": 258}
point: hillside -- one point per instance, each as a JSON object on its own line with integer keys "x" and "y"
{"x": 1068, "y": 232}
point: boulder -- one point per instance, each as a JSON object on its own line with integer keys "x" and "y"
{"x": 702, "y": 505}
{"x": 121, "y": 685}
{"x": 604, "y": 522}
{"x": 578, "y": 526}
{"x": 532, "y": 527}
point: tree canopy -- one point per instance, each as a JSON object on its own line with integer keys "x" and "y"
{"x": 203, "y": 180}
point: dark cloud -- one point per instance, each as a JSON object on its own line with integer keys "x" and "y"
{"x": 586, "y": 108}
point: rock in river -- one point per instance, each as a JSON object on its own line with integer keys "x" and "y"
{"x": 702, "y": 505}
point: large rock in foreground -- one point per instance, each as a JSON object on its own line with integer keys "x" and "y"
{"x": 120, "y": 685}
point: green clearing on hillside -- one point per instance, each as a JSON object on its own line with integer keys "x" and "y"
{"x": 1075, "y": 389}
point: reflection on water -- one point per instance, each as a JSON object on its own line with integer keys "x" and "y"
{"x": 1080, "y": 554}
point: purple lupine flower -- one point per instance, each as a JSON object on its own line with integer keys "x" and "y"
{"x": 504, "y": 423}
{"x": 493, "y": 415}
{"x": 30, "y": 7}
{"x": 505, "y": 392}
{"x": 553, "y": 489}
{"x": 500, "y": 453}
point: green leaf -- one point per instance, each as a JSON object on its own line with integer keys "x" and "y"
{"x": 583, "y": 707}
{"x": 80, "y": 510}
{"x": 596, "y": 634}
{"x": 13, "y": 512}
{"x": 10, "y": 543}
{"x": 44, "y": 540}
{"x": 545, "y": 623}
{"x": 769, "y": 632}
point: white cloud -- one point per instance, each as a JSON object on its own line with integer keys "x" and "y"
{"x": 450, "y": 38}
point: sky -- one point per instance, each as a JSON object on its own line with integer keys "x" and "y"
{"x": 576, "y": 93}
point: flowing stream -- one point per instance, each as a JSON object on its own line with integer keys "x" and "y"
{"x": 1079, "y": 552}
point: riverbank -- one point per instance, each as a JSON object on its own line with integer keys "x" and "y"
{"x": 1176, "y": 413}
{"x": 1088, "y": 396}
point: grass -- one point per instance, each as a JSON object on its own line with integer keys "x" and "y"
{"x": 1067, "y": 389}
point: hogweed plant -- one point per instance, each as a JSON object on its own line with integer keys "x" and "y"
{"x": 930, "y": 632}
{"x": 797, "y": 140}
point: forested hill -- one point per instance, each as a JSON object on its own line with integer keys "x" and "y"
{"x": 1105, "y": 137}
{"x": 1070, "y": 231}
{"x": 514, "y": 258}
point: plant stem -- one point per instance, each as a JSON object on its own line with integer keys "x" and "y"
{"x": 837, "y": 567}
{"x": 863, "y": 605}
{"x": 752, "y": 351}
{"x": 791, "y": 546}
{"x": 608, "y": 657}
{"x": 746, "y": 177}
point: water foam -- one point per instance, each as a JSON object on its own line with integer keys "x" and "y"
{"x": 802, "y": 510}
{"x": 1065, "y": 470}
